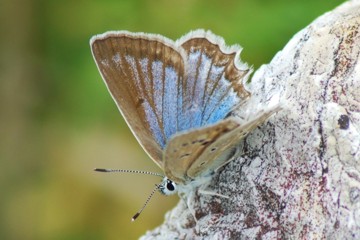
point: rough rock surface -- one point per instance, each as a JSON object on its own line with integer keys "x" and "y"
{"x": 298, "y": 176}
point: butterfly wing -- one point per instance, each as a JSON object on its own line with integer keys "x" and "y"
{"x": 217, "y": 153}
{"x": 142, "y": 73}
{"x": 163, "y": 87}
{"x": 184, "y": 149}
{"x": 191, "y": 154}
{"x": 213, "y": 87}
{"x": 214, "y": 79}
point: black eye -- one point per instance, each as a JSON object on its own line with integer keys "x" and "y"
{"x": 170, "y": 186}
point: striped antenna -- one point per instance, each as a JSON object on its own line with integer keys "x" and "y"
{"x": 134, "y": 171}
{"x": 147, "y": 201}
{"x": 127, "y": 171}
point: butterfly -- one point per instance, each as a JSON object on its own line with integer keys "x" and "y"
{"x": 177, "y": 98}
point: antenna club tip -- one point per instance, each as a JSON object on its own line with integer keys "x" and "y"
{"x": 135, "y": 217}
{"x": 100, "y": 170}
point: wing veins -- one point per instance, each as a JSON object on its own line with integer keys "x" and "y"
{"x": 219, "y": 102}
{"x": 196, "y": 79}
{"x": 216, "y": 83}
{"x": 205, "y": 90}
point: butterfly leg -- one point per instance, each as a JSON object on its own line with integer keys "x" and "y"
{"x": 188, "y": 199}
{"x": 205, "y": 192}
{"x": 203, "y": 189}
{"x": 191, "y": 198}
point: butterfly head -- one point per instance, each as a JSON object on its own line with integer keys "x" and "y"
{"x": 167, "y": 187}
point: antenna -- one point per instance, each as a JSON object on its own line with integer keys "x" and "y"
{"x": 128, "y": 171}
{"x": 146, "y": 202}
{"x": 135, "y": 171}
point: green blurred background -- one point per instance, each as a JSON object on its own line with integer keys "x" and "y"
{"x": 58, "y": 121}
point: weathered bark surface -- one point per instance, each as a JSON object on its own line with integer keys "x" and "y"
{"x": 299, "y": 174}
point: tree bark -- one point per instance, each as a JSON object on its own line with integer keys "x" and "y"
{"x": 298, "y": 176}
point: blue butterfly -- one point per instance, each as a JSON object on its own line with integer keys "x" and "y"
{"x": 177, "y": 98}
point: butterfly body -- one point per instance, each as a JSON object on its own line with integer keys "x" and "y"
{"x": 176, "y": 97}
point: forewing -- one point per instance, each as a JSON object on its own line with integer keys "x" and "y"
{"x": 142, "y": 73}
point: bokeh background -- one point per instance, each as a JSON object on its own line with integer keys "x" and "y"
{"x": 58, "y": 122}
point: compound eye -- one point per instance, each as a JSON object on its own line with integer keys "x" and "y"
{"x": 170, "y": 186}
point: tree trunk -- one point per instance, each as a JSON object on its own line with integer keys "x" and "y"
{"x": 298, "y": 176}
